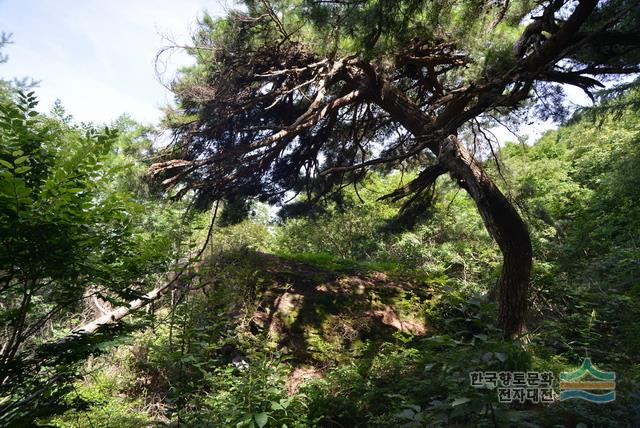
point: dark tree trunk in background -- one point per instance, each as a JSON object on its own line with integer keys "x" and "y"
{"x": 505, "y": 226}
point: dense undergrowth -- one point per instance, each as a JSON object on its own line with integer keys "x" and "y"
{"x": 341, "y": 320}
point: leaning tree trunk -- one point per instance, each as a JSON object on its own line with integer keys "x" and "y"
{"x": 505, "y": 226}
{"x": 501, "y": 219}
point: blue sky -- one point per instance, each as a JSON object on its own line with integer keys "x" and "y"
{"x": 97, "y": 56}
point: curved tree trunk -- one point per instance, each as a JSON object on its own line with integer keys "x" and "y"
{"x": 501, "y": 219}
{"x": 505, "y": 226}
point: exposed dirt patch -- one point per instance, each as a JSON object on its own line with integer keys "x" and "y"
{"x": 389, "y": 316}
{"x": 318, "y": 315}
{"x": 298, "y": 376}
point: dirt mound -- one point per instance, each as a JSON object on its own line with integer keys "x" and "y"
{"x": 319, "y": 316}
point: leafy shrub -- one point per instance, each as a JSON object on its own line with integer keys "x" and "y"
{"x": 64, "y": 232}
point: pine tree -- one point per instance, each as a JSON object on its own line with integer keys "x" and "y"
{"x": 306, "y": 96}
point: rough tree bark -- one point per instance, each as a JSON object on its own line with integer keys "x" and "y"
{"x": 500, "y": 217}
{"x": 506, "y": 227}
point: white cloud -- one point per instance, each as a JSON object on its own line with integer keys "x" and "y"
{"x": 97, "y": 55}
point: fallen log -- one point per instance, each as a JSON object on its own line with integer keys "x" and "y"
{"x": 118, "y": 313}
{"x": 11, "y": 405}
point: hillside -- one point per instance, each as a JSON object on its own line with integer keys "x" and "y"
{"x": 316, "y": 342}
{"x": 303, "y": 337}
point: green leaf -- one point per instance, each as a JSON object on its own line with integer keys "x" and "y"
{"x": 245, "y": 423}
{"x": 20, "y": 189}
{"x": 21, "y": 159}
{"x": 501, "y": 356}
{"x": 459, "y": 401}
{"x": 22, "y": 169}
{"x": 6, "y": 164}
{"x": 261, "y": 419}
